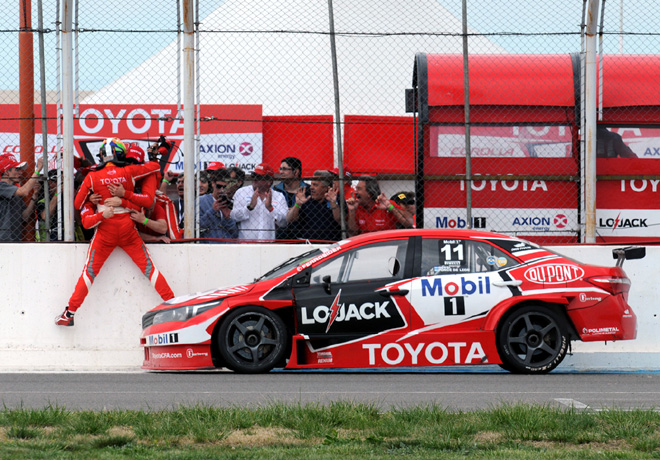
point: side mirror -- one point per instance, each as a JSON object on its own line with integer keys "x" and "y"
{"x": 326, "y": 284}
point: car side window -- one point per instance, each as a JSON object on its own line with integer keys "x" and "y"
{"x": 488, "y": 258}
{"x": 440, "y": 256}
{"x": 373, "y": 261}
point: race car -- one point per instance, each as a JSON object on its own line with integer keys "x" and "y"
{"x": 400, "y": 298}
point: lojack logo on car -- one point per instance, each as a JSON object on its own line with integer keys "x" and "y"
{"x": 372, "y": 316}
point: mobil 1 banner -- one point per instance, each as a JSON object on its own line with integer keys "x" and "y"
{"x": 627, "y": 222}
{"x": 551, "y": 222}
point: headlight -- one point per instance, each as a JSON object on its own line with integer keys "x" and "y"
{"x": 182, "y": 313}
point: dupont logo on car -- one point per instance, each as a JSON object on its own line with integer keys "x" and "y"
{"x": 554, "y": 274}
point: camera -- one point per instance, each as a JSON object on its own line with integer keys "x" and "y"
{"x": 162, "y": 147}
{"x": 224, "y": 201}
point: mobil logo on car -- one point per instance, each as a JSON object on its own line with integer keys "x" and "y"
{"x": 455, "y": 287}
{"x": 554, "y": 273}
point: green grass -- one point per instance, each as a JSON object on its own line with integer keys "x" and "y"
{"x": 340, "y": 430}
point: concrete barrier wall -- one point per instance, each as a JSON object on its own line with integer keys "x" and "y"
{"x": 37, "y": 280}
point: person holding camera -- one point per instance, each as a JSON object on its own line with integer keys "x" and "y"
{"x": 215, "y": 210}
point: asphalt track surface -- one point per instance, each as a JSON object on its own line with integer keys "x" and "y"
{"x": 452, "y": 390}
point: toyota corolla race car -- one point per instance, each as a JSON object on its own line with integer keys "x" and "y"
{"x": 399, "y": 298}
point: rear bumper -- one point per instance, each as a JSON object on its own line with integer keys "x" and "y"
{"x": 610, "y": 319}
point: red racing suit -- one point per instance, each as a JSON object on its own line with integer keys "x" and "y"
{"x": 117, "y": 231}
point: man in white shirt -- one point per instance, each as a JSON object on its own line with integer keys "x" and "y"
{"x": 258, "y": 209}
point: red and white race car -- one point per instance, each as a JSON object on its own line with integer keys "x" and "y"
{"x": 399, "y": 298}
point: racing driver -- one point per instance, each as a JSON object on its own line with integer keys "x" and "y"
{"x": 114, "y": 224}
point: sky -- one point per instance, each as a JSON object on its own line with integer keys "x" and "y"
{"x": 546, "y": 27}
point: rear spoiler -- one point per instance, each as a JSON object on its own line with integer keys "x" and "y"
{"x": 631, "y": 252}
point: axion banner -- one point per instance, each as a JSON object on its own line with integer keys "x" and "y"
{"x": 231, "y": 134}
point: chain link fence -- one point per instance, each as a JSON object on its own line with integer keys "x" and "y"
{"x": 293, "y": 88}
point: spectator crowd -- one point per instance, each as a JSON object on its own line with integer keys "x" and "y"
{"x": 231, "y": 206}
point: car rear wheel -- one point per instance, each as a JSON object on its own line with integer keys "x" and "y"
{"x": 252, "y": 340}
{"x": 532, "y": 340}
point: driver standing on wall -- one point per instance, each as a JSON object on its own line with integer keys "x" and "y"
{"x": 115, "y": 228}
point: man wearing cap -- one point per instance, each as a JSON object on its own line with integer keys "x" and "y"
{"x": 215, "y": 166}
{"x": 258, "y": 210}
{"x": 13, "y": 211}
{"x": 406, "y": 201}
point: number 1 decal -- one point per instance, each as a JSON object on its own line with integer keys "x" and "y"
{"x": 454, "y": 306}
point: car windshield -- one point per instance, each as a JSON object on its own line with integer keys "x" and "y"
{"x": 292, "y": 262}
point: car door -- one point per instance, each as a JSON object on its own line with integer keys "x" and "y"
{"x": 342, "y": 298}
{"x": 459, "y": 281}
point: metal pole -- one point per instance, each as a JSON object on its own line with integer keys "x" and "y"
{"x": 44, "y": 120}
{"x": 581, "y": 202}
{"x": 76, "y": 60}
{"x": 198, "y": 130}
{"x": 179, "y": 107}
{"x": 189, "y": 117}
{"x": 67, "y": 119}
{"x": 621, "y": 27}
{"x": 58, "y": 113}
{"x": 600, "y": 63}
{"x": 590, "y": 118}
{"x": 340, "y": 152}
{"x": 26, "y": 83}
{"x": 468, "y": 147}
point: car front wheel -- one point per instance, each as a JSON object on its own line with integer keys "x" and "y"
{"x": 252, "y": 340}
{"x": 532, "y": 340}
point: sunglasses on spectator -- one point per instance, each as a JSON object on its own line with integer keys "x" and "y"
{"x": 220, "y": 186}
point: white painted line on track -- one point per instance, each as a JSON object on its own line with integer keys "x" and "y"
{"x": 572, "y": 403}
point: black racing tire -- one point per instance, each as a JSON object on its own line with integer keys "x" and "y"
{"x": 532, "y": 340}
{"x": 252, "y": 340}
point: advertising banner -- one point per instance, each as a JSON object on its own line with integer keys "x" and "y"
{"x": 520, "y": 221}
{"x": 231, "y": 134}
{"x": 502, "y": 141}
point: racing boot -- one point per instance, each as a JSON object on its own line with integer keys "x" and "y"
{"x": 65, "y": 319}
